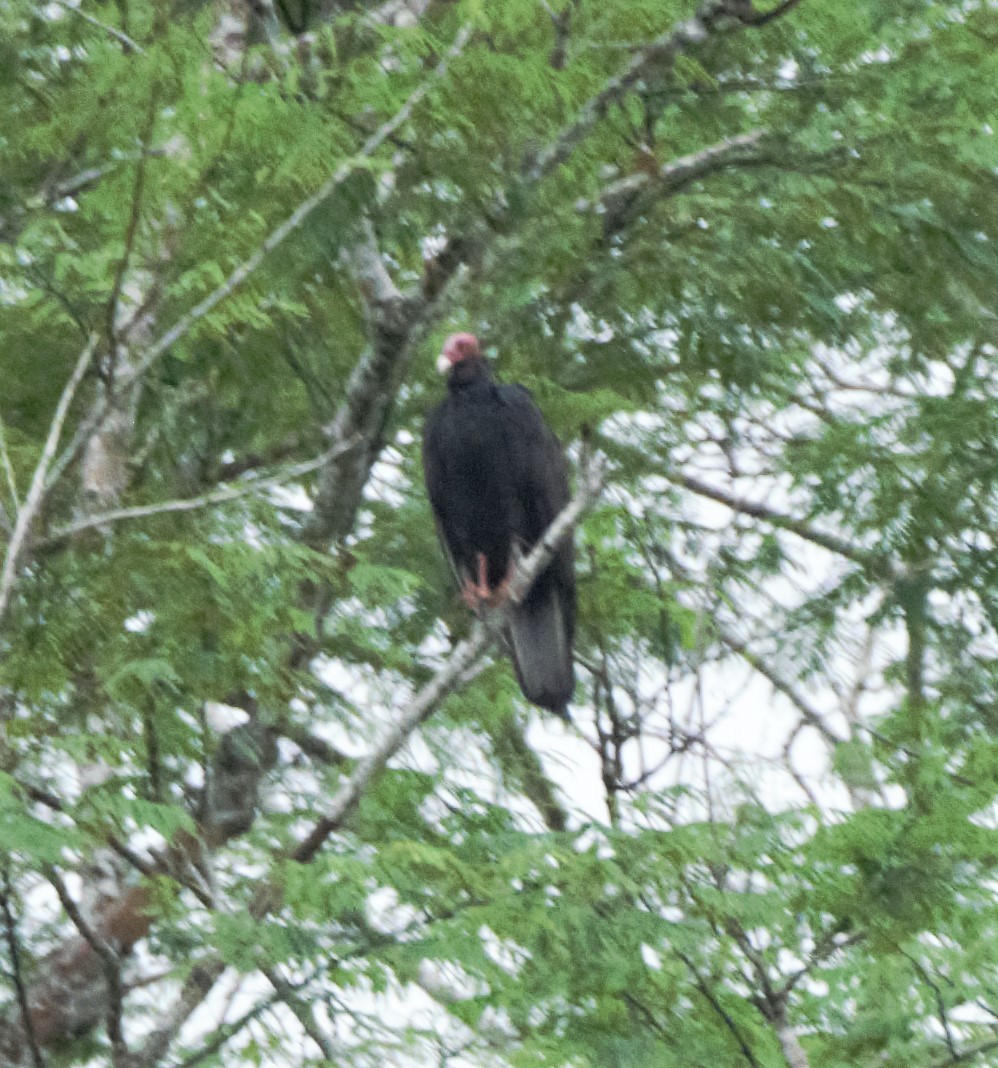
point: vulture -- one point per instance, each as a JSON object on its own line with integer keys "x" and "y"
{"x": 496, "y": 478}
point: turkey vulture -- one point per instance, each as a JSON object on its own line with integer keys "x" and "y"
{"x": 496, "y": 478}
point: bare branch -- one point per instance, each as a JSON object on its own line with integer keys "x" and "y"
{"x": 109, "y": 959}
{"x": 256, "y": 484}
{"x": 112, "y": 31}
{"x": 448, "y": 679}
{"x": 809, "y": 713}
{"x": 875, "y": 562}
{"x": 14, "y": 948}
{"x": 36, "y": 492}
{"x": 8, "y": 469}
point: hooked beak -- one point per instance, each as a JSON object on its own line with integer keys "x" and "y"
{"x": 443, "y": 363}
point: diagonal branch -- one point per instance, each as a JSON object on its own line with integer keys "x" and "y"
{"x": 449, "y": 678}
{"x": 256, "y": 484}
{"x": 622, "y": 200}
{"x": 36, "y": 492}
{"x": 877, "y": 563}
{"x": 659, "y": 56}
{"x": 110, "y": 961}
{"x": 127, "y": 43}
{"x": 808, "y": 712}
{"x": 14, "y": 949}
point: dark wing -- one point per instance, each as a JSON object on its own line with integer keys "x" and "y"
{"x": 437, "y": 485}
{"x": 539, "y": 468}
{"x": 542, "y": 628}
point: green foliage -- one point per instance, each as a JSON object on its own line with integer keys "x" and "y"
{"x": 789, "y": 361}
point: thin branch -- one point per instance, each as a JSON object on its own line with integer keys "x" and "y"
{"x": 112, "y": 31}
{"x": 223, "y": 1034}
{"x": 36, "y": 492}
{"x": 199, "y": 984}
{"x": 109, "y": 959}
{"x": 448, "y": 679}
{"x": 729, "y": 1023}
{"x": 658, "y": 56}
{"x": 760, "y": 18}
{"x": 969, "y": 1054}
{"x": 255, "y": 484}
{"x": 14, "y": 948}
{"x": 623, "y": 199}
{"x": 939, "y": 999}
{"x": 877, "y": 563}
{"x": 290, "y": 997}
{"x": 8, "y": 468}
{"x": 466, "y": 655}
{"x": 809, "y": 713}
{"x": 131, "y": 230}
{"x": 50, "y": 801}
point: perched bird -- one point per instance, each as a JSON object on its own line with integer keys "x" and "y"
{"x": 496, "y": 478}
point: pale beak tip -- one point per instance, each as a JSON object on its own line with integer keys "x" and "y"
{"x": 443, "y": 364}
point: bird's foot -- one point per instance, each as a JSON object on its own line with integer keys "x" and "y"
{"x": 500, "y": 595}
{"x": 474, "y": 595}
{"x": 478, "y": 594}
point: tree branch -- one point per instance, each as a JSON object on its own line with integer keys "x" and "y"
{"x": 878, "y": 564}
{"x": 448, "y": 679}
{"x": 122, "y": 38}
{"x": 111, "y": 967}
{"x": 14, "y": 948}
{"x": 658, "y": 56}
{"x": 625, "y": 198}
{"x": 36, "y": 492}
{"x": 255, "y": 484}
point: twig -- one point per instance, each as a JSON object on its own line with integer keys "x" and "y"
{"x": 110, "y": 960}
{"x": 14, "y": 948}
{"x": 809, "y": 713}
{"x": 122, "y": 38}
{"x": 290, "y": 997}
{"x": 448, "y": 679}
{"x": 8, "y": 469}
{"x": 199, "y": 984}
{"x": 189, "y": 504}
{"x": 36, "y": 491}
{"x": 877, "y": 563}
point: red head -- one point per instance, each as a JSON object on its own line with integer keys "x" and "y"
{"x": 457, "y": 348}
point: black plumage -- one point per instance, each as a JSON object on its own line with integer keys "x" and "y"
{"x": 496, "y": 478}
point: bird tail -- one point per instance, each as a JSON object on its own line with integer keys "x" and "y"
{"x": 541, "y": 646}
